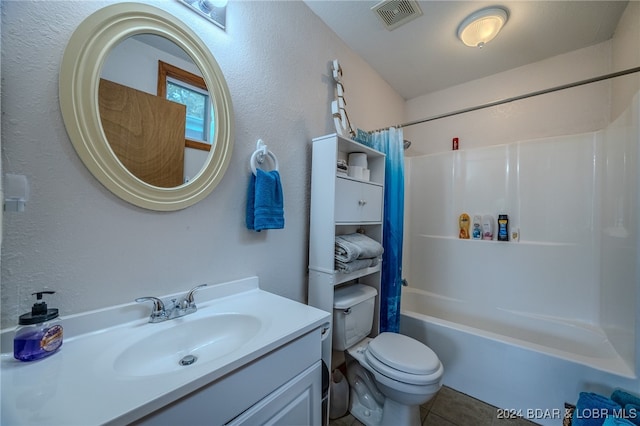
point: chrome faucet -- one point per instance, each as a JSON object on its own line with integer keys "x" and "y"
{"x": 179, "y": 307}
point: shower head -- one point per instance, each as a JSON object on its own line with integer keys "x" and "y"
{"x": 406, "y": 144}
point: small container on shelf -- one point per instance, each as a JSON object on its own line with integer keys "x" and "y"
{"x": 463, "y": 223}
{"x": 503, "y": 227}
{"x": 487, "y": 227}
{"x": 476, "y": 231}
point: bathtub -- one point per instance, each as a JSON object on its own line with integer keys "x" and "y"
{"x": 519, "y": 361}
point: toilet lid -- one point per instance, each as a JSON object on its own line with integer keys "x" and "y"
{"x": 404, "y": 354}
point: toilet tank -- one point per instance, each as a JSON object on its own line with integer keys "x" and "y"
{"x": 353, "y": 308}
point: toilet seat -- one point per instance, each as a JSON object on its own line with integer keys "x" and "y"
{"x": 404, "y": 359}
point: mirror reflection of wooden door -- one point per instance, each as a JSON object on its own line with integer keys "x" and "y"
{"x": 145, "y": 132}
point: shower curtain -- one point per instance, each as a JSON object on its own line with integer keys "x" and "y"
{"x": 390, "y": 142}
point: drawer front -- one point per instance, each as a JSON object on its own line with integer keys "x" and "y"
{"x": 358, "y": 201}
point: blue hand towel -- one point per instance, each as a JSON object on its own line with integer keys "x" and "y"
{"x": 592, "y": 409}
{"x": 251, "y": 198}
{"x": 615, "y": 421}
{"x": 632, "y": 412}
{"x": 265, "y": 201}
{"x": 623, "y": 398}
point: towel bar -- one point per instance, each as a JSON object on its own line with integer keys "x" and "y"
{"x": 259, "y": 155}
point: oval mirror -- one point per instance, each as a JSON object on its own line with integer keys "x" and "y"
{"x": 92, "y": 108}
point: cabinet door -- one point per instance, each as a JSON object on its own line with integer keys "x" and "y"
{"x": 358, "y": 201}
{"x": 240, "y": 392}
{"x": 298, "y": 402}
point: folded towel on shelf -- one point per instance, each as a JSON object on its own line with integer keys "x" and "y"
{"x": 350, "y": 247}
{"x": 590, "y": 403}
{"x": 355, "y": 265}
{"x": 265, "y": 201}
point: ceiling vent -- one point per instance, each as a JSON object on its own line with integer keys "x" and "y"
{"x": 394, "y": 13}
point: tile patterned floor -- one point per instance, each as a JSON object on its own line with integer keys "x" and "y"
{"x": 451, "y": 408}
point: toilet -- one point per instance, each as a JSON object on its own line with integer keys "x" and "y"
{"x": 390, "y": 375}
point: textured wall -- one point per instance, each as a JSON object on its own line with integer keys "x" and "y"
{"x": 77, "y": 238}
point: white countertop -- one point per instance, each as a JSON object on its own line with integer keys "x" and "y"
{"x": 80, "y": 386}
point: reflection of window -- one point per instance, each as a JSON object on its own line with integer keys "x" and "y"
{"x": 197, "y": 102}
{"x": 183, "y": 87}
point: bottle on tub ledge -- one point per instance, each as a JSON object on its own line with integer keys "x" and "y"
{"x": 487, "y": 227}
{"x": 515, "y": 233}
{"x": 476, "y": 231}
{"x": 39, "y": 333}
{"x": 463, "y": 225}
{"x": 503, "y": 227}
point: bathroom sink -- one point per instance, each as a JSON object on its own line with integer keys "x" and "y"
{"x": 115, "y": 354}
{"x": 182, "y": 344}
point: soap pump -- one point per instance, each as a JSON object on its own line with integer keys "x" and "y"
{"x": 39, "y": 333}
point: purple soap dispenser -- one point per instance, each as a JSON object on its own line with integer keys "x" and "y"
{"x": 39, "y": 334}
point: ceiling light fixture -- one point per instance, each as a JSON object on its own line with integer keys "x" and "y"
{"x": 213, "y": 10}
{"x": 482, "y": 26}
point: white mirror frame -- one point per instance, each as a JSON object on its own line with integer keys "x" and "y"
{"x": 80, "y": 73}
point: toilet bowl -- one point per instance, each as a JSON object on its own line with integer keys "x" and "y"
{"x": 390, "y": 375}
{"x": 404, "y": 371}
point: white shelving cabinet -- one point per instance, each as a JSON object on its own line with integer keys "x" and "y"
{"x": 341, "y": 205}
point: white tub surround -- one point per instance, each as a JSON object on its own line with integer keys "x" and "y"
{"x": 83, "y": 383}
{"x": 554, "y": 313}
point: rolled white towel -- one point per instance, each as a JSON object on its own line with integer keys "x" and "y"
{"x": 350, "y": 247}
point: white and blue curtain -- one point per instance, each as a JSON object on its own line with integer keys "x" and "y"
{"x": 391, "y": 143}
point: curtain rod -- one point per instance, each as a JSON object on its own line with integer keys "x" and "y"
{"x": 517, "y": 98}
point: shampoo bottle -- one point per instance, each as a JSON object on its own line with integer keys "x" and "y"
{"x": 503, "y": 227}
{"x": 487, "y": 227}
{"x": 476, "y": 233}
{"x": 39, "y": 333}
{"x": 463, "y": 222}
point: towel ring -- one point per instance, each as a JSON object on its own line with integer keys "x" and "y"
{"x": 259, "y": 155}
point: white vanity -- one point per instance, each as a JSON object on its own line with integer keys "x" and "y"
{"x": 258, "y": 361}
